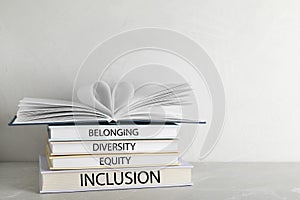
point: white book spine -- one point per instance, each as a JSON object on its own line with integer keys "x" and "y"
{"x": 116, "y": 146}
{"x": 111, "y": 179}
{"x": 109, "y": 161}
{"x": 112, "y": 132}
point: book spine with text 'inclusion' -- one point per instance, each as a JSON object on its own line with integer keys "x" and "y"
{"x": 110, "y": 179}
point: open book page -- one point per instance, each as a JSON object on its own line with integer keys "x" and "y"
{"x": 97, "y": 96}
{"x": 51, "y": 110}
{"x": 150, "y": 97}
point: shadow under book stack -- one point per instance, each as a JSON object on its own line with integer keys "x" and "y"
{"x": 112, "y": 156}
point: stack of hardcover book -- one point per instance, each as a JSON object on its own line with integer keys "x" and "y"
{"x": 114, "y": 138}
{"x": 115, "y": 156}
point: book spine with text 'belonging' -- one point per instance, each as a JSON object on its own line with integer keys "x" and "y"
{"x": 111, "y": 132}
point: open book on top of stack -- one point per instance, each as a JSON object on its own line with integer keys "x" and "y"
{"x": 100, "y": 103}
{"x": 116, "y": 138}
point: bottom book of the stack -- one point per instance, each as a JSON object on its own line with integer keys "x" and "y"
{"x": 112, "y": 178}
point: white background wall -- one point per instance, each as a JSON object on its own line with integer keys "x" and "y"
{"x": 255, "y": 45}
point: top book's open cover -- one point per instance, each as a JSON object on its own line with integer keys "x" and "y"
{"x": 14, "y": 122}
{"x": 99, "y": 104}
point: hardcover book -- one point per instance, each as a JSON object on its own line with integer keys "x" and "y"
{"x": 98, "y": 102}
{"x": 113, "y": 146}
{"x": 111, "y": 160}
{"x": 112, "y": 132}
{"x": 112, "y": 178}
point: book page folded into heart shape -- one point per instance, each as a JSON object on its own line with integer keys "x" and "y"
{"x": 98, "y": 102}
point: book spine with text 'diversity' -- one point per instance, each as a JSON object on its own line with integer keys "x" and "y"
{"x": 113, "y": 146}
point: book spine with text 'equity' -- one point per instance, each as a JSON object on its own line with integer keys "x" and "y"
{"x": 111, "y": 160}
{"x": 110, "y": 179}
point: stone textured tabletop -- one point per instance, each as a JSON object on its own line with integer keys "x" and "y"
{"x": 19, "y": 180}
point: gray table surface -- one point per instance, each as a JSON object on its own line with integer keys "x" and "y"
{"x": 19, "y": 180}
